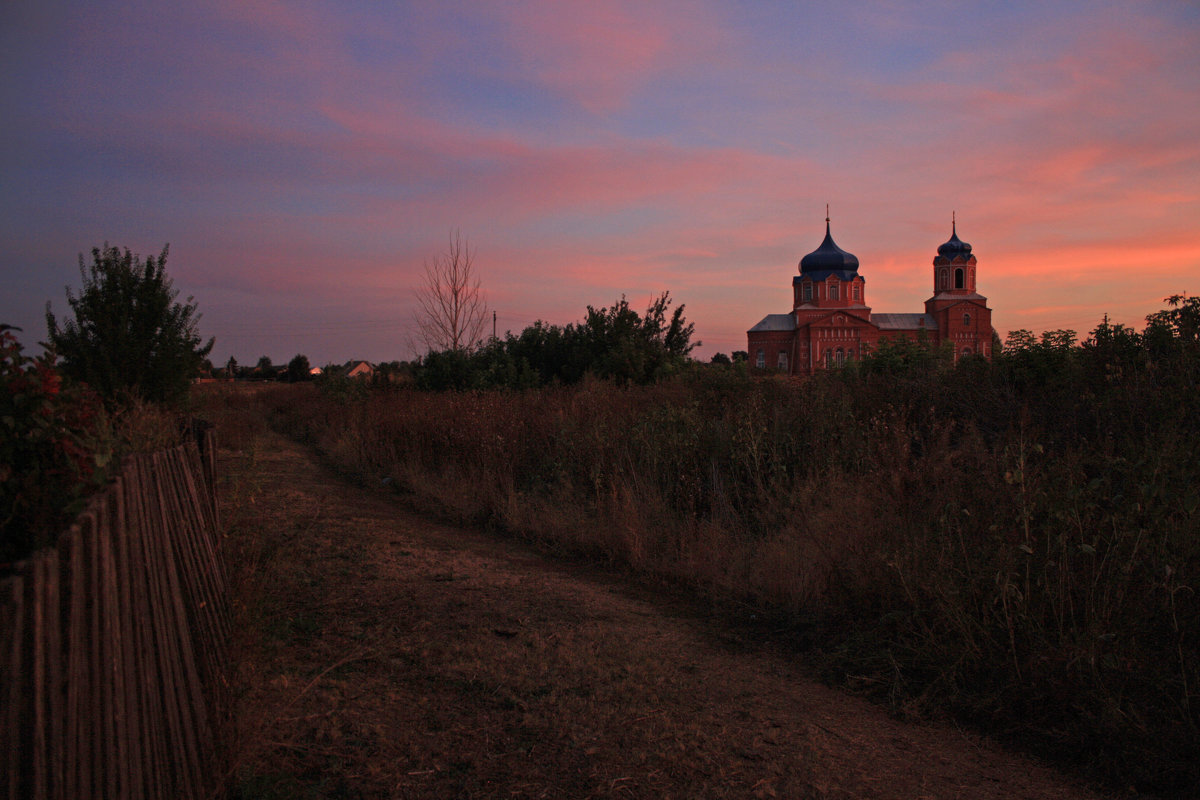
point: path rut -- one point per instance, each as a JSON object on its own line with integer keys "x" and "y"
{"x": 383, "y": 655}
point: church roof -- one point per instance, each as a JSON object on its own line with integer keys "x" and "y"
{"x": 775, "y": 322}
{"x": 904, "y": 322}
{"x": 829, "y": 259}
{"x": 960, "y": 296}
{"x": 954, "y": 247}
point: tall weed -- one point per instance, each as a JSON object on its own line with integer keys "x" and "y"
{"x": 965, "y": 542}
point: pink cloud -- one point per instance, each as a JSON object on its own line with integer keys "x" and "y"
{"x": 600, "y": 54}
{"x": 1152, "y": 255}
{"x": 593, "y": 53}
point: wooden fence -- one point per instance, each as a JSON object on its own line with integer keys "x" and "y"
{"x": 113, "y": 646}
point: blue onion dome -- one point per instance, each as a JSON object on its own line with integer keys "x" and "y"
{"x": 955, "y": 247}
{"x": 828, "y": 257}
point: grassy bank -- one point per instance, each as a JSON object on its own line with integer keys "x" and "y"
{"x": 1012, "y": 544}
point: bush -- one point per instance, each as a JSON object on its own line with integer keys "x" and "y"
{"x": 129, "y": 338}
{"x": 55, "y": 449}
{"x": 616, "y": 344}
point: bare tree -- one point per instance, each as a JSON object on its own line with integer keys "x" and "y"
{"x": 452, "y": 309}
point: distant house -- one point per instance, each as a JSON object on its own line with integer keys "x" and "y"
{"x": 315, "y": 371}
{"x": 359, "y": 369}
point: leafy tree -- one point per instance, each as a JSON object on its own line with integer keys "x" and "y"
{"x": 905, "y": 355}
{"x": 298, "y": 369}
{"x": 553, "y": 352}
{"x": 129, "y": 336}
{"x": 613, "y": 343}
{"x": 264, "y": 370}
{"x": 1021, "y": 339}
{"x": 1027, "y": 362}
{"x": 1172, "y": 340}
{"x": 1060, "y": 340}
{"x": 1112, "y": 353}
{"x": 446, "y": 369}
{"x": 629, "y": 348}
{"x": 391, "y": 375}
{"x": 720, "y": 358}
{"x": 1182, "y": 319}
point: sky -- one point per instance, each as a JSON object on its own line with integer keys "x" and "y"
{"x": 304, "y": 160}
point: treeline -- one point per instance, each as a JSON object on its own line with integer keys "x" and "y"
{"x": 614, "y": 343}
{"x": 296, "y": 370}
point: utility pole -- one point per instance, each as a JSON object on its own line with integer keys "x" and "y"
{"x": 493, "y": 324}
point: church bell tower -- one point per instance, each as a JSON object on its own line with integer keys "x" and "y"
{"x": 960, "y": 311}
{"x": 954, "y": 266}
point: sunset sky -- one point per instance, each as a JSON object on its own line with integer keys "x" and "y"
{"x": 304, "y": 159}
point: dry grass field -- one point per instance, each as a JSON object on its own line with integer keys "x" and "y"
{"x": 383, "y": 655}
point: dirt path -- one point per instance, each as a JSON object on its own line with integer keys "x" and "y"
{"x": 388, "y": 656}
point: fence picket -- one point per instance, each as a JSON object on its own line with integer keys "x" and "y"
{"x": 12, "y": 634}
{"x": 113, "y": 645}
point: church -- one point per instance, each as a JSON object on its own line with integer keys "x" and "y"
{"x": 830, "y": 322}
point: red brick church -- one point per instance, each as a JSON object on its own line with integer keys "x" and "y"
{"x": 831, "y": 323}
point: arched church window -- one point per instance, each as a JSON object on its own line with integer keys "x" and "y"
{"x": 807, "y": 290}
{"x": 966, "y": 351}
{"x": 833, "y": 291}
{"x": 760, "y": 359}
{"x": 782, "y": 363}
{"x": 841, "y": 356}
{"x": 856, "y": 291}
{"x": 829, "y": 358}
{"x": 943, "y": 279}
{"x": 959, "y": 277}
{"x": 966, "y": 319}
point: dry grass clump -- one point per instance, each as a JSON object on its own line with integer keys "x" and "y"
{"x": 385, "y": 655}
{"x": 952, "y": 543}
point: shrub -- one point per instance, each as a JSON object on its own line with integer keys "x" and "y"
{"x": 129, "y": 337}
{"x": 55, "y": 449}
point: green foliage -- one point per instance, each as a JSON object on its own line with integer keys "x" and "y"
{"x": 446, "y": 370}
{"x": 628, "y": 348}
{"x": 333, "y": 382}
{"x": 298, "y": 369}
{"x": 906, "y": 356}
{"x": 390, "y": 376}
{"x": 129, "y": 337}
{"x": 54, "y": 450}
{"x": 264, "y": 370}
{"x": 614, "y": 343}
{"x": 1172, "y": 338}
{"x": 1182, "y": 319}
{"x": 1113, "y": 353}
